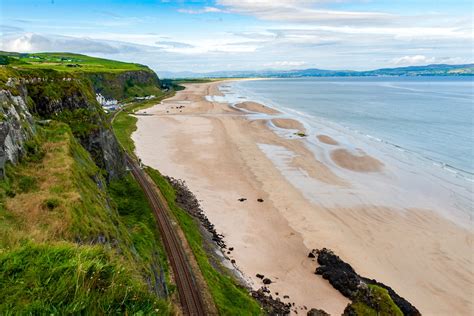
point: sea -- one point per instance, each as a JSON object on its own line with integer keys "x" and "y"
{"x": 424, "y": 124}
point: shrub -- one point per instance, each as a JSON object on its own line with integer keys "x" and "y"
{"x": 27, "y": 184}
{"x": 51, "y": 203}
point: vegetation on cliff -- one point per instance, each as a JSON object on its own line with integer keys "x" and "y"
{"x": 113, "y": 79}
{"x": 66, "y": 246}
{"x": 76, "y": 233}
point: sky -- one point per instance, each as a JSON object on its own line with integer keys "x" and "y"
{"x": 216, "y": 35}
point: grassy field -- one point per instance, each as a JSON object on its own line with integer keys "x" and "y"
{"x": 69, "y": 246}
{"x": 66, "y": 62}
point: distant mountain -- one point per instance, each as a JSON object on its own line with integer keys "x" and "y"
{"x": 429, "y": 70}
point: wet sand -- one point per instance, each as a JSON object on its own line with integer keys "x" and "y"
{"x": 327, "y": 140}
{"x": 289, "y": 124}
{"x": 356, "y": 162}
{"x": 218, "y": 151}
{"x": 256, "y": 107}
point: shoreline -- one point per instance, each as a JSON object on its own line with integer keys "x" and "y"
{"x": 219, "y": 156}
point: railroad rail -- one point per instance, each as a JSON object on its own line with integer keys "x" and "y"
{"x": 189, "y": 295}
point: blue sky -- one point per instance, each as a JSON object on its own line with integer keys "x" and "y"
{"x": 205, "y": 36}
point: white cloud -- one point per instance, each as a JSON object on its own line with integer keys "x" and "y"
{"x": 31, "y": 42}
{"x": 300, "y": 11}
{"x": 173, "y": 44}
{"x": 285, "y": 64}
{"x": 417, "y": 60}
{"x": 413, "y": 60}
{"x": 201, "y": 11}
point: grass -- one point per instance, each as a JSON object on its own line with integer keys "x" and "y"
{"x": 64, "y": 227}
{"x": 229, "y": 297}
{"x": 67, "y": 62}
{"x": 113, "y": 79}
{"x": 63, "y": 278}
{"x": 136, "y": 214}
{"x": 379, "y": 303}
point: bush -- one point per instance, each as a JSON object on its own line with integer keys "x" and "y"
{"x": 27, "y": 184}
{"x": 51, "y": 203}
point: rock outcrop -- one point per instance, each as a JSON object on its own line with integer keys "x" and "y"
{"x": 343, "y": 278}
{"x": 125, "y": 84}
{"x": 16, "y": 127}
{"x": 70, "y": 101}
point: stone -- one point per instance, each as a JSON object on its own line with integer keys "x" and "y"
{"x": 267, "y": 281}
{"x": 316, "y": 312}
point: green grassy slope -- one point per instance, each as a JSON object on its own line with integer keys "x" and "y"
{"x": 66, "y": 246}
{"x": 113, "y": 79}
{"x": 66, "y": 62}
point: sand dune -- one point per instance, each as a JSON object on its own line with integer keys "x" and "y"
{"x": 359, "y": 162}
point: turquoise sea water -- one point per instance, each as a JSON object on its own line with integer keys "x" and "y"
{"x": 431, "y": 117}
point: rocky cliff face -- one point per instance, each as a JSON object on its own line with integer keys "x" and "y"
{"x": 125, "y": 84}
{"x": 66, "y": 99}
{"x": 16, "y": 127}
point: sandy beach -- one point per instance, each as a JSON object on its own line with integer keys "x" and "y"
{"x": 223, "y": 156}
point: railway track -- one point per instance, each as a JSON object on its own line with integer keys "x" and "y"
{"x": 189, "y": 295}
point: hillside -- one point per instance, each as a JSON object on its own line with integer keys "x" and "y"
{"x": 113, "y": 79}
{"x": 429, "y": 70}
{"x": 66, "y": 245}
{"x": 76, "y": 232}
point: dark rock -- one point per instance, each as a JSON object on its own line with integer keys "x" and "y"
{"x": 188, "y": 202}
{"x": 242, "y": 199}
{"x": 270, "y": 305}
{"x": 311, "y": 255}
{"x": 231, "y": 248}
{"x": 232, "y": 261}
{"x": 316, "y": 312}
{"x": 340, "y": 274}
{"x": 343, "y": 278}
{"x": 267, "y": 281}
{"x": 286, "y": 296}
{"x": 260, "y": 276}
{"x": 260, "y": 200}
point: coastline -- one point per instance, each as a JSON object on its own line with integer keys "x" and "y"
{"x": 223, "y": 156}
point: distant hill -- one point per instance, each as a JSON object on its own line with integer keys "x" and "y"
{"x": 429, "y": 70}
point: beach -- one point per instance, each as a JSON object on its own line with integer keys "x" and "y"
{"x": 224, "y": 155}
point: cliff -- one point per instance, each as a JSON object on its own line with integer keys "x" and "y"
{"x": 126, "y": 84}
{"x": 63, "y": 87}
{"x": 76, "y": 233}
